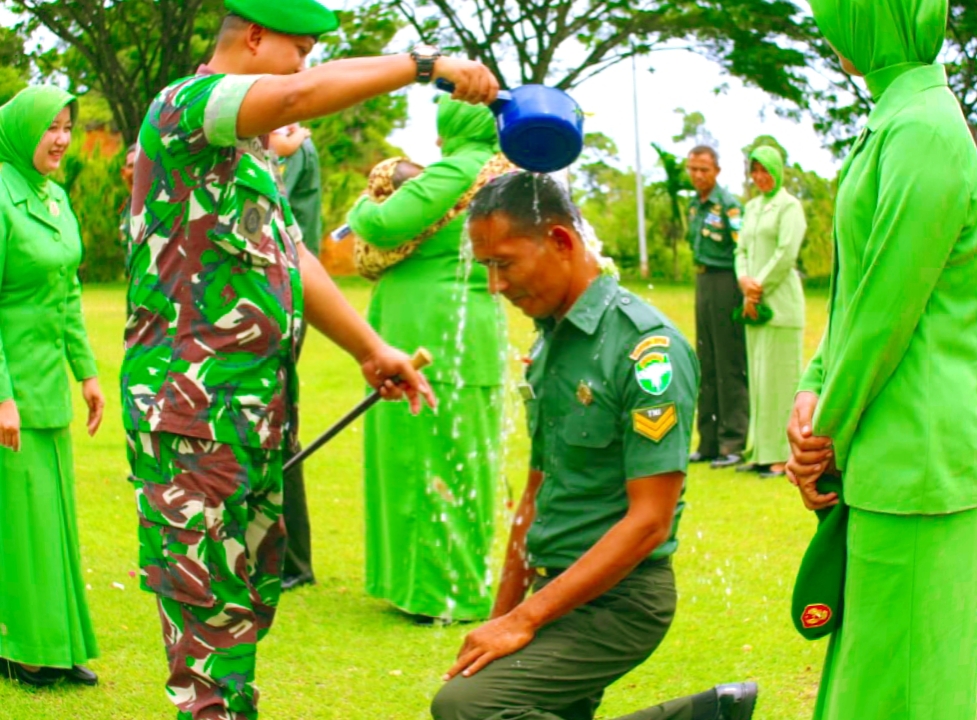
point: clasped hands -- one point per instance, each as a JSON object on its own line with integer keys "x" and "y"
{"x": 810, "y": 455}
{"x": 752, "y": 294}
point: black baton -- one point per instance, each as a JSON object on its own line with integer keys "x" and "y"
{"x": 422, "y": 358}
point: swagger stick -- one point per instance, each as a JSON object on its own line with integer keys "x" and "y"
{"x": 422, "y": 358}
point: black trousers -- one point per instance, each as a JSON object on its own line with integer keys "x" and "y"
{"x": 562, "y": 673}
{"x": 724, "y": 399}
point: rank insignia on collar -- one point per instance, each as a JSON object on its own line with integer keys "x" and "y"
{"x": 655, "y": 422}
{"x": 584, "y": 394}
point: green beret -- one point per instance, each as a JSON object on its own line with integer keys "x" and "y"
{"x": 763, "y": 312}
{"x": 294, "y": 17}
{"x": 820, "y": 586}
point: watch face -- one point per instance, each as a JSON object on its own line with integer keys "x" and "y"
{"x": 425, "y": 50}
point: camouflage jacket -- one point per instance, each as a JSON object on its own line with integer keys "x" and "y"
{"x": 215, "y": 294}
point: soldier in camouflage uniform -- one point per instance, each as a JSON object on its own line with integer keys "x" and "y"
{"x": 219, "y": 281}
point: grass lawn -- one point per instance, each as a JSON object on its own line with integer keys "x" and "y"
{"x": 335, "y": 653}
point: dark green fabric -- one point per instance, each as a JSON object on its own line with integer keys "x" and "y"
{"x": 23, "y": 122}
{"x": 714, "y": 227}
{"x": 303, "y": 186}
{"x": 293, "y": 17}
{"x": 771, "y": 159}
{"x": 819, "y": 589}
{"x": 562, "y": 673}
{"x": 586, "y": 442}
{"x": 764, "y": 315}
{"x": 884, "y": 38}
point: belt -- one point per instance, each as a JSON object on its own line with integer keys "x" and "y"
{"x": 701, "y": 269}
{"x": 552, "y": 572}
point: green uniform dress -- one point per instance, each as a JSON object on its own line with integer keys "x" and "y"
{"x": 773, "y": 230}
{"x": 724, "y": 403}
{"x": 44, "y": 618}
{"x": 208, "y": 380}
{"x": 430, "y": 480}
{"x": 610, "y": 396}
{"x": 897, "y": 379}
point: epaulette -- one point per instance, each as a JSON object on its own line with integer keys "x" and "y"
{"x": 642, "y": 315}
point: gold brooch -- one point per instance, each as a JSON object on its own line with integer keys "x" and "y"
{"x": 584, "y": 394}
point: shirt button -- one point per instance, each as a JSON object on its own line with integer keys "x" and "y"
{"x": 63, "y": 271}
{"x": 584, "y": 433}
{"x": 57, "y": 343}
{"x": 60, "y": 307}
{"x": 625, "y": 301}
{"x": 550, "y": 423}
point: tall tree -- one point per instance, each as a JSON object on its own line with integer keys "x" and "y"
{"x": 751, "y": 38}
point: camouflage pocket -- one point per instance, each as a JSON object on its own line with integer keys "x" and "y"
{"x": 249, "y": 208}
{"x": 173, "y": 543}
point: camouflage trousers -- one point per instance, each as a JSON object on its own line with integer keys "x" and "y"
{"x": 211, "y": 543}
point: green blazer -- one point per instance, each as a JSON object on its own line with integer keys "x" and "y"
{"x": 41, "y": 323}
{"x": 773, "y": 230}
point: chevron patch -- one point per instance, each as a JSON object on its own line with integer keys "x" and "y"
{"x": 655, "y": 422}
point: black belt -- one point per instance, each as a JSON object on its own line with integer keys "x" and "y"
{"x": 552, "y": 572}
{"x": 700, "y": 269}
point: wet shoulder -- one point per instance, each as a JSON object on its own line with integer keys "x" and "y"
{"x": 640, "y": 319}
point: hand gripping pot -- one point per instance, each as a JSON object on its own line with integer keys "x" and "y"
{"x": 540, "y": 128}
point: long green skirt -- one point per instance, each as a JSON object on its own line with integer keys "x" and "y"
{"x": 430, "y": 489}
{"x": 44, "y": 617}
{"x": 907, "y": 645}
{"x": 775, "y": 364}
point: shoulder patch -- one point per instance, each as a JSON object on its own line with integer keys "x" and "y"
{"x": 649, "y": 343}
{"x": 655, "y": 422}
{"x": 654, "y": 373}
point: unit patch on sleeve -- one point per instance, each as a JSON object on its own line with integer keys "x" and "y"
{"x": 655, "y": 422}
{"x": 654, "y": 373}
{"x": 647, "y": 344}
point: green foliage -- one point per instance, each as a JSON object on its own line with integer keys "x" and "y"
{"x": 97, "y": 196}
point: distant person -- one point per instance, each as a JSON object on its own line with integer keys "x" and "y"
{"x": 715, "y": 217}
{"x": 766, "y": 264}
{"x": 430, "y": 481}
{"x": 890, "y": 399}
{"x": 126, "y": 172}
{"x": 46, "y": 631}
{"x": 299, "y": 167}
{"x": 610, "y": 392}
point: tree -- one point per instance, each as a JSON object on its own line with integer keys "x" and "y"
{"x": 751, "y": 38}
{"x": 676, "y": 182}
{"x": 14, "y": 64}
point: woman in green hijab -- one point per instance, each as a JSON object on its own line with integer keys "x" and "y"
{"x": 430, "y": 480}
{"x": 766, "y": 259}
{"x": 45, "y": 629}
{"x": 890, "y": 399}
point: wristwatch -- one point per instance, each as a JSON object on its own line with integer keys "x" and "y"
{"x": 425, "y": 56}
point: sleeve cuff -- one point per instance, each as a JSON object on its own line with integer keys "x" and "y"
{"x": 220, "y": 117}
{"x": 83, "y": 369}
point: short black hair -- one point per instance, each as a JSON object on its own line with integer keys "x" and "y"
{"x": 230, "y": 26}
{"x": 706, "y": 150}
{"x": 532, "y": 201}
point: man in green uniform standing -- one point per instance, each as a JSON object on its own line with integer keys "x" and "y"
{"x": 610, "y": 393}
{"x": 219, "y": 285}
{"x": 303, "y": 188}
{"x": 890, "y": 398}
{"x": 715, "y": 217}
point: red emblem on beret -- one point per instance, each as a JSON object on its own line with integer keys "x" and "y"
{"x": 815, "y": 616}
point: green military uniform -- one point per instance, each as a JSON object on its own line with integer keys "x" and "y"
{"x": 610, "y": 394}
{"x": 303, "y": 187}
{"x": 723, "y": 422}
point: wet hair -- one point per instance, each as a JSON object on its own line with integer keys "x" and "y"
{"x": 404, "y": 171}
{"x": 705, "y": 150}
{"x": 532, "y": 202}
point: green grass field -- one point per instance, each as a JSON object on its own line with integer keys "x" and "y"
{"x": 335, "y": 653}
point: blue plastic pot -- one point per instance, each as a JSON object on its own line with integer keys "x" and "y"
{"x": 540, "y": 128}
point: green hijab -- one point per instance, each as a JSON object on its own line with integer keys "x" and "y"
{"x": 461, "y": 124}
{"x": 883, "y": 38}
{"x": 23, "y": 122}
{"x": 773, "y": 161}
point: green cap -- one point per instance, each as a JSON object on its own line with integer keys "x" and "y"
{"x": 763, "y": 312}
{"x": 820, "y": 586}
{"x": 294, "y": 17}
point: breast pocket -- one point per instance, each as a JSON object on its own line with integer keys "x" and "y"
{"x": 247, "y": 213}
{"x": 592, "y": 450}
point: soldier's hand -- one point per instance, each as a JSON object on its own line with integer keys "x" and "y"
{"x": 474, "y": 83}
{"x": 390, "y": 371}
{"x": 493, "y": 640}
{"x": 95, "y": 400}
{"x": 9, "y": 425}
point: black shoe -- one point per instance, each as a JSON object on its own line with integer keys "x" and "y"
{"x": 290, "y": 582}
{"x": 749, "y": 467}
{"x": 698, "y": 457}
{"x": 768, "y": 473}
{"x": 42, "y": 677}
{"x": 736, "y": 700}
{"x": 81, "y": 675}
{"x": 726, "y": 461}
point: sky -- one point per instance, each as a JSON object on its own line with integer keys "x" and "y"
{"x": 680, "y": 80}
